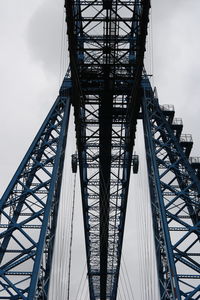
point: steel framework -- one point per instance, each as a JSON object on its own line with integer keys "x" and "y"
{"x": 106, "y": 45}
{"x": 175, "y": 198}
{"x": 109, "y": 90}
{"x": 29, "y": 207}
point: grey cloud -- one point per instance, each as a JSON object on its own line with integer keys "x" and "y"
{"x": 175, "y": 58}
{"x": 44, "y": 35}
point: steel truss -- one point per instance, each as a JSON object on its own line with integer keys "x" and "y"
{"x": 28, "y": 209}
{"x": 106, "y": 44}
{"x": 175, "y": 198}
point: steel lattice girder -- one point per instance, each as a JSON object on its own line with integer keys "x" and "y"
{"x": 106, "y": 45}
{"x": 175, "y": 197}
{"x": 28, "y": 209}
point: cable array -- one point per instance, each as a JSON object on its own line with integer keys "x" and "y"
{"x": 60, "y": 264}
{"x": 71, "y": 237}
{"x": 62, "y": 259}
{"x": 146, "y": 248}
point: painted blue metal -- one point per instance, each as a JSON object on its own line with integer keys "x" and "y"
{"x": 175, "y": 191}
{"x": 107, "y": 44}
{"x": 28, "y": 208}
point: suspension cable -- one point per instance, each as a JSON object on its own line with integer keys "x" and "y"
{"x": 71, "y": 238}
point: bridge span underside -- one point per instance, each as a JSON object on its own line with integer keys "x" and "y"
{"x": 109, "y": 90}
{"x": 106, "y": 45}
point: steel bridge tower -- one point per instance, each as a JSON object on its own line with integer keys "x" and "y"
{"x": 109, "y": 90}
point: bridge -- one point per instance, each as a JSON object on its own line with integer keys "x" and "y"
{"x": 110, "y": 92}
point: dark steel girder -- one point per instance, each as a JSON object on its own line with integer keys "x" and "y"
{"x": 106, "y": 46}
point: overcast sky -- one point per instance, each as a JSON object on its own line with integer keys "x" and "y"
{"x": 31, "y": 67}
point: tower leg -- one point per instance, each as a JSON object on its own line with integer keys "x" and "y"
{"x": 175, "y": 192}
{"x": 29, "y": 207}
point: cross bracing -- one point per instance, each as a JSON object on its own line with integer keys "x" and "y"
{"x": 29, "y": 206}
{"x": 106, "y": 45}
{"x": 174, "y": 189}
{"x": 109, "y": 90}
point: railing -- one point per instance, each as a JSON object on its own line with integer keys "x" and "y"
{"x": 177, "y": 121}
{"x": 186, "y": 138}
{"x": 194, "y": 160}
{"x": 167, "y": 107}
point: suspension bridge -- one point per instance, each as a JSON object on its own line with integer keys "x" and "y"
{"x": 110, "y": 93}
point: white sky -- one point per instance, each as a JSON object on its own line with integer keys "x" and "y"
{"x": 30, "y": 56}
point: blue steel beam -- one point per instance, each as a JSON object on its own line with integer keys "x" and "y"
{"x": 175, "y": 198}
{"x": 28, "y": 208}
